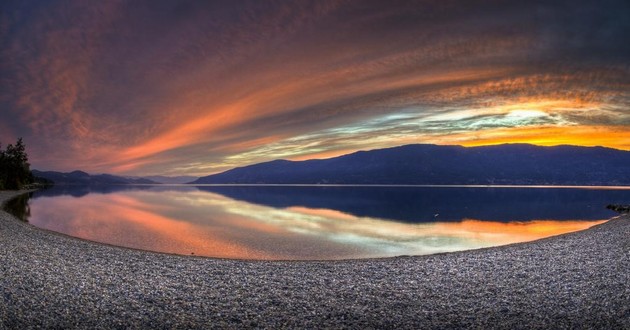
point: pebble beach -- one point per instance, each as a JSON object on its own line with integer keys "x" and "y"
{"x": 576, "y": 280}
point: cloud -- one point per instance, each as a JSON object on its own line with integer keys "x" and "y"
{"x": 154, "y": 87}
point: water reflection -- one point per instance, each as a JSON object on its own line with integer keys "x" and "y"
{"x": 19, "y": 207}
{"x": 421, "y": 204}
{"x": 311, "y": 222}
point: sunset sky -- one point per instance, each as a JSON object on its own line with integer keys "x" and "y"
{"x": 198, "y": 87}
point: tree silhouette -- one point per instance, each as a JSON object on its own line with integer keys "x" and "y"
{"x": 15, "y": 170}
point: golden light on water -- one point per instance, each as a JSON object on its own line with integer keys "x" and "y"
{"x": 500, "y": 233}
{"x": 209, "y": 224}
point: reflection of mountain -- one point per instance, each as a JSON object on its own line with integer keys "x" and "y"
{"x": 431, "y": 164}
{"x": 82, "y": 190}
{"x": 82, "y": 178}
{"x": 168, "y": 179}
{"x": 408, "y": 204}
{"x": 19, "y": 207}
{"x": 415, "y": 204}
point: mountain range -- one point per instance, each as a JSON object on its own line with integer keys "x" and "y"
{"x": 423, "y": 164}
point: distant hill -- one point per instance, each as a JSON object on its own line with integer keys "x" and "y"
{"x": 82, "y": 178}
{"x": 168, "y": 179}
{"x": 522, "y": 164}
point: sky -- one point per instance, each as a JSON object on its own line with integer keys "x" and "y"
{"x": 199, "y": 87}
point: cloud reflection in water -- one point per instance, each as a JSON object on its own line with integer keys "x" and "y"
{"x": 209, "y": 224}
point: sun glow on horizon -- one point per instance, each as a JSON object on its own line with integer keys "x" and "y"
{"x": 102, "y": 88}
{"x": 585, "y": 136}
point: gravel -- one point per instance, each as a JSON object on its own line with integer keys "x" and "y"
{"x": 577, "y": 280}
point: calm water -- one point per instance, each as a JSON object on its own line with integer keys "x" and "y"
{"x": 314, "y": 222}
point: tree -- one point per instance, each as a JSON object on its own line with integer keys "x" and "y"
{"x": 15, "y": 170}
{"x": 3, "y": 170}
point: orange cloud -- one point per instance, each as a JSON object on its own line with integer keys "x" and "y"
{"x": 150, "y": 89}
{"x": 613, "y": 137}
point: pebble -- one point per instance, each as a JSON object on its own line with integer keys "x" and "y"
{"x": 577, "y": 280}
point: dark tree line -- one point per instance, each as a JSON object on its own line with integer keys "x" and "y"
{"x": 15, "y": 170}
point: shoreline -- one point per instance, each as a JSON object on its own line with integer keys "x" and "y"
{"x": 578, "y": 279}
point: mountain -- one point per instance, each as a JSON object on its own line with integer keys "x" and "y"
{"x": 82, "y": 178}
{"x": 522, "y": 164}
{"x": 168, "y": 179}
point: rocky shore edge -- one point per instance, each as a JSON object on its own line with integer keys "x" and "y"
{"x": 576, "y": 280}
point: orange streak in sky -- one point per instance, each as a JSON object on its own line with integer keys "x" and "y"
{"x": 215, "y": 118}
{"x": 188, "y": 132}
{"x": 545, "y": 136}
{"x": 247, "y": 144}
{"x": 323, "y": 154}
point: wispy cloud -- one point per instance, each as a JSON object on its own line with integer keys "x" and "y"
{"x": 151, "y": 87}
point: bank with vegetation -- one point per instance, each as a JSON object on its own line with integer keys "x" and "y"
{"x": 15, "y": 171}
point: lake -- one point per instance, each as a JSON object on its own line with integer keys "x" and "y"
{"x": 314, "y": 222}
